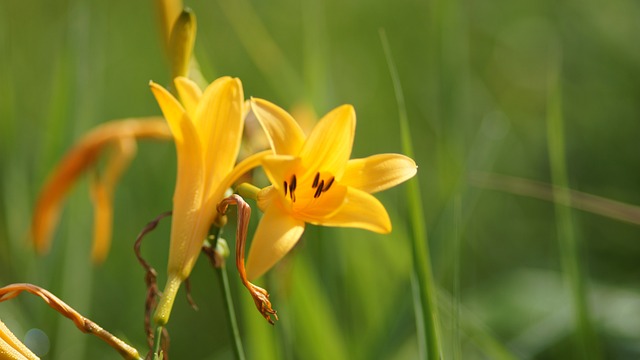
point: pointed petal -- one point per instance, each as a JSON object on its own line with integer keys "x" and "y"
{"x": 171, "y": 108}
{"x": 379, "y": 172}
{"x": 360, "y": 210}
{"x": 284, "y": 134}
{"x": 277, "y": 233}
{"x": 190, "y": 94}
{"x": 219, "y": 122}
{"x": 328, "y": 147}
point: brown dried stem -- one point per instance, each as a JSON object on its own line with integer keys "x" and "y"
{"x": 85, "y": 325}
{"x": 153, "y": 293}
{"x": 260, "y": 295}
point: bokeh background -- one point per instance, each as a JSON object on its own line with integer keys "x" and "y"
{"x": 477, "y": 77}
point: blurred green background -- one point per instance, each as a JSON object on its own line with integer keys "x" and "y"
{"x": 476, "y": 77}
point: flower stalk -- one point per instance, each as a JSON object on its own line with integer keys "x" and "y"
{"x": 82, "y": 323}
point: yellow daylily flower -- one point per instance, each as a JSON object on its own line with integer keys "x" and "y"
{"x": 11, "y": 348}
{"x": 207, "y": 129}
{"x": 313, "y": 181}
{"x": 118, "y": 136}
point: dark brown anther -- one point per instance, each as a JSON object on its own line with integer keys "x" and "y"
{"x": 292, "y": 188}
{"x": 328, "y": 184}
{"x": 319, "y": 190}
{"x": 315, "y": 180}
{"x": 285, "y": 188}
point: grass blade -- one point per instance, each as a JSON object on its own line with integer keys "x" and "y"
{"x": 568, "y": 242}
{"x": 424, "y": 294}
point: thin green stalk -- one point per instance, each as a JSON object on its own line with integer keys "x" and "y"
{"x": 455, "y": 295}
{"x": 157, "y": 340}
{"x": 221, "y": 271}
{"x": 424, "y": 292}
{"x": 568, "y": 242}
{"x": 238, "y": 350}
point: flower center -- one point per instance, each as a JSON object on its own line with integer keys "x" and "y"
{"x": 319, "y": 186}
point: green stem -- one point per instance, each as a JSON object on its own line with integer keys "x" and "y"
{"x": 568, "y": 242}
{"x": 157, "y": 340}
{"x": 231, "y": 313}
{"x": 424, "y": 291}
{"x": 221, "y": 271}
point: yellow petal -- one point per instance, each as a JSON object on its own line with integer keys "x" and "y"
{"x": 11, "y": 348}
{"x": 328, "y": 147}
{"x": 316, "y": 210}
{"x": 219, "y": 122}
{"x": 171, "y": 108}
{"x": 379, "y": 172}
{"x": 190, "y": 222}
{"x": 278, "y": 169}
{"x": 360, "y": 210}
{"x": 284, "y": 134}
{"x": 190, "y": 94}
{"x": 240, "y": 169}
{"x": 276, "y": 234}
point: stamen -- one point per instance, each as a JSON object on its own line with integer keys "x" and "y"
{"x": 285, "y": 188}
{"x": 315, "y": 180}
{"x": 319, "y": 190}
{"x": 292, "y": 188}
{"x": 329, "y": 184}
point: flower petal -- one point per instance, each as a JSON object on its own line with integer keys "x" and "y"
{"x": 83, "y": 155}
{"x": 276, "y": 234}
{"x": 102, "y": 195}
{"x": 328, "y": 147}
{"x": 278, "y": 168}
{"x": 188, "y": 224}
{"x": 379, "y": 172}
{"x": 219, "y": 122}
{"x": 190, "y": 94}
{"x": 171, "y": 108}
{"x": 360, "y": 210}
{"x": 284, "y": 134}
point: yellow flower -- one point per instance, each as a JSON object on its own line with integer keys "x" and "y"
{"x": 313, "y": 181}
{"x": 11, "y": 348}
{"x": 119, "y": 136}
{"x": 207, "y": 130}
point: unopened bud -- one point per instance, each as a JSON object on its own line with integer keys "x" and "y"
{"x": 183, "y": 36}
